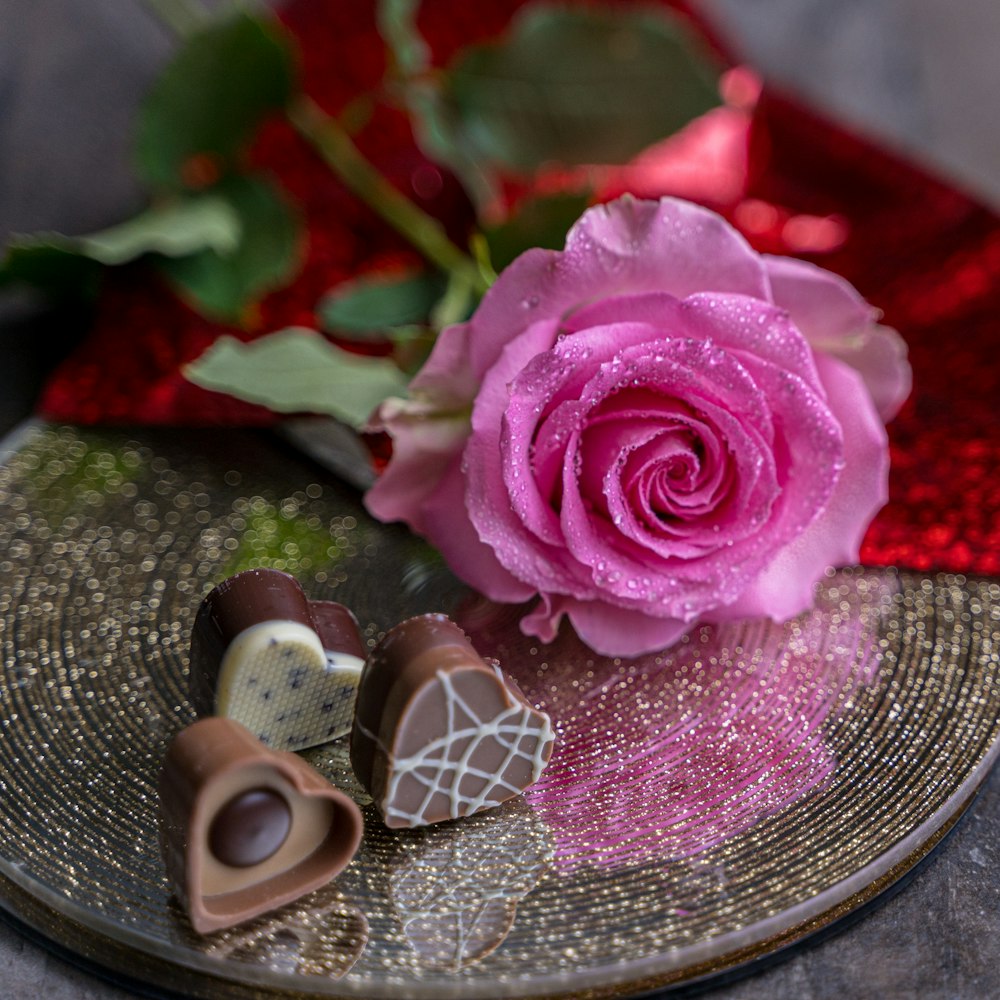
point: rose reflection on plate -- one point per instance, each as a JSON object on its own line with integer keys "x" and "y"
{"x": 663, "y": 757}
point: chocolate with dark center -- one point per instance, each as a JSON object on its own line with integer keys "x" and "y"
{"x": 284, "y": 667}
{"x": 438, "y": 732}
{"x": 213, "y": 770}
{"x": 250, "y": 828}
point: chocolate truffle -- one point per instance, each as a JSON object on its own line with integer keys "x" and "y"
{"x": 285, "y": 668}
{"x": 246, "y": 829}
{"x": 438, "y": 732}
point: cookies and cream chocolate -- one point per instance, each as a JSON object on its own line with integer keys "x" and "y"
{"x": 246, "y": 829}
{"x": 285, "y": 668}
{"x": 438, "y": 732}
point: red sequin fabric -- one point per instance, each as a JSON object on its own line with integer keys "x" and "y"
{"x": 924, "y": 253}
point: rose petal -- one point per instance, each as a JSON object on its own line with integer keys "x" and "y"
{"x": 822, "y": 304}
{"x": 879, "y": 357}
{"x": 606, "y": 629}
{"x": 424, "y": 444}
{"x": 624, "y": 247}
{"x": 614, "y": 631}
{"x": 733, "y": 448}
{"x": 836, "y": 320}
{"x": 786, "y": 587}
{"x": 808, "y": 455}
{"x": 454, "y": 535}
{"x": 489, "y": 502}
{"x": 427, "y": 431}
{"x": 740, "y": 323}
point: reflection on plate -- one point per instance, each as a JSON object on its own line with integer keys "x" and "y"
{"x": 702, "y": 807}
{"x": 319, "y": 936}
{"x": 455, "y": 887}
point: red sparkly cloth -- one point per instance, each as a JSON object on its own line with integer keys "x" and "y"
{"x": 927, "y": 255}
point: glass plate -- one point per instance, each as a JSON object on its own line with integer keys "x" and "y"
{"x": 703, "y": 808}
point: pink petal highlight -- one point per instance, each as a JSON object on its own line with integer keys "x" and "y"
{"x": 468, "y": 557}
{"x": 621, "y": 248}
{"x": 785, "y": 588}
{"x": 837, "y": 321}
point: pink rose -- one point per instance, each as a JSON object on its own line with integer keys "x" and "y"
{"x": 655, "y": 427}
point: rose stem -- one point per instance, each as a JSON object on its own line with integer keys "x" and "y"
{"x": 343, "y": 157}
{"x": 423, "y": 231}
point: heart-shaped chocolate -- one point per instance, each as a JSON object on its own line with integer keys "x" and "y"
{"x": 246, "y": 829}
{"x": 284, "y": 667}
{"x": 439, "y": 733}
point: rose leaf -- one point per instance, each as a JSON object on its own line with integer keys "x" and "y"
{"x": 298, "y": 371}
{"x": 69, "y": 265}
{"x": 209, "y": 100}
{"x": 575, "y": 86}
{"x": 366, "y": 308}
{"x": 222, "y": 283}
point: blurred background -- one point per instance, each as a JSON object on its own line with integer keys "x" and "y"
{"x": 921, "y": 76}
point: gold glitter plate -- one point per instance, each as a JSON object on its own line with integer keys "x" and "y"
{"x": 703, "y": 808}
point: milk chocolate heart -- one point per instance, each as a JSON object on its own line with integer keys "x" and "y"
{"x": 245, "y": 829}
{"x": 439, "y": 733}
{"x": 285, "y": 668}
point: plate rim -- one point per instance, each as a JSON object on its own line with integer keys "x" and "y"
{"x": 701, "y": 960}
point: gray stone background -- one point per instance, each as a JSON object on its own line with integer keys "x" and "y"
{"x": 919, "y": 75}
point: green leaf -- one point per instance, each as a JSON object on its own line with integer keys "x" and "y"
{"x": 175, "y": 229}
{"x": 208, "y": 102}
{"x": 51, "y": 267}
{"x": 66, "y": 265}
{"x": 365, "y": 308}
{"x": 222, "y": 284}
{"x": 397, "y": 24}
{"x": 539, "y": 222}
{"x": 298, "y": 371}
{"x": 439, "y": 135}
{"x": 574, "y": 85}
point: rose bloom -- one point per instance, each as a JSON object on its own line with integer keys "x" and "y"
{"x": 652, "y": 428}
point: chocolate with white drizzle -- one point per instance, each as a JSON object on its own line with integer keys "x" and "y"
{"x": 245, "y": 829}
{"x": 438, "y": 732}
{"x": 262, "y": 654}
